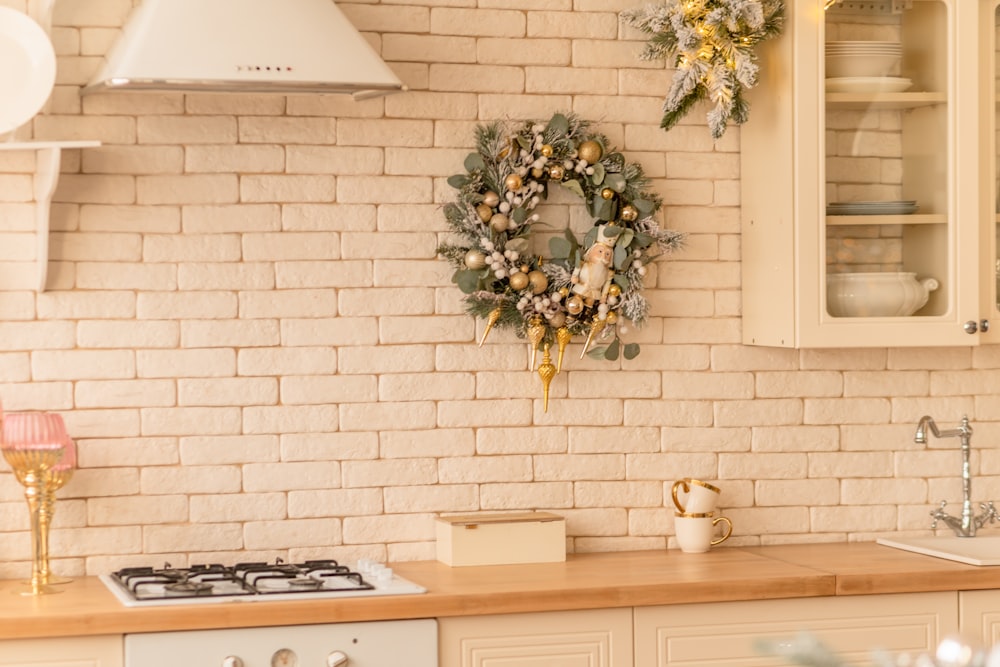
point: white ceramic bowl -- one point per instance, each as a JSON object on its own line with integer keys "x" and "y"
{"x": 877, "y": 294}
{"x": 858, "y": 65}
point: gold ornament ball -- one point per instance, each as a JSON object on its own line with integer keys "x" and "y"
{"x": 607, "y": 193}
{"x": 630, "y": 213}
{"x": 518, "y": 281}
{"x": 614, "y": 290}
{"x": 574, "y": 305}
{"x": 513, "y": 182}
{"x": 556, "y": 172}
{"x": 547, "y": 150}
{"x": 491, "y": 198}
{"x": 537, "y": 172}
{"x": 539, "y": 282}
{"x": 484, "y": 212}
{"x": 612, "y": 317}
{"x": 590, "y": 151}
{"x": 564, "y": 291}
{"x": 499, "y": 223}
{"x": 475, "y": 259}
{"x": 557, "y": 320}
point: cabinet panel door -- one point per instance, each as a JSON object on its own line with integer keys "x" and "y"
{"x": 980, "y": 614}
{"x": 100, "y": 651}
{"x": 852, "y": 627}
{"x": 592, "y": 638}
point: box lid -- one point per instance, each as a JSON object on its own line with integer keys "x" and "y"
{"x": 502, "y": 517}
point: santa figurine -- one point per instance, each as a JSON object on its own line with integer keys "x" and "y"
{"x": 592, "y": 279}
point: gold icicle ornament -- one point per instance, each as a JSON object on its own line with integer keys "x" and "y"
{"x": 595, "y": 329}
{"x": 563, "y": 336}
{"x": 546, "y": 371}
{"x": 536, "y": 332}
{"x": 490, "y": 321}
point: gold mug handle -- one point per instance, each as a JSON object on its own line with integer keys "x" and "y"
{"x": 673, "y": 493}
{"x": 729, "y": 529}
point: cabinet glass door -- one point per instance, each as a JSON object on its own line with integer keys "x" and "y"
{"x": 889, "y": 227}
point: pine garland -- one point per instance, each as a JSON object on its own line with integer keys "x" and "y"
{"x": 511, "y": 171}
{"x": 711, "y": 44}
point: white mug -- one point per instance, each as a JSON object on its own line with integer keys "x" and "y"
{"x": 702, "y": 497}
{"x": 695, "y": 532}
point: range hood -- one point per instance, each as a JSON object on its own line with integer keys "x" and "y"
{"x": 246, "y": 46}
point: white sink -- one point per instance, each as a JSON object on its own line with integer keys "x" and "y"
{"x": 971, "y": 550}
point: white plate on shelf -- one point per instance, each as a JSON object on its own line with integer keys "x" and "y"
{"x": 29, "y": 68}
{"x": 872, "y": 208}
{"x": 868, "y": 84}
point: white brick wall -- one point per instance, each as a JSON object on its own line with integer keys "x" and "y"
{"x": 253, "y": 343}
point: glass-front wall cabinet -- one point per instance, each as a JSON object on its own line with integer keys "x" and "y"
{"x": 863, "y": 177}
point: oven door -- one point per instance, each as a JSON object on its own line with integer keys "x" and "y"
{"x": 371, "y": 644}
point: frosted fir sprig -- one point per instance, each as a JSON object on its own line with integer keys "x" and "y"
{"x": 711, "y": 44}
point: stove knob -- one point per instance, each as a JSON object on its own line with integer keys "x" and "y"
{"x": 232, "y": 661}
{"x": 336, "y": 659}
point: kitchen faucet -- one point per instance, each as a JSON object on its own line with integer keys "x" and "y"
{"x": 968, "y": 524}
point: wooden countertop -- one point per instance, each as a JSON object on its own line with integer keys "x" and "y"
{"x": 584, "y": 581}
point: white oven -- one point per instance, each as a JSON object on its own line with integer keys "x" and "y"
{"x": 409, "y": 643}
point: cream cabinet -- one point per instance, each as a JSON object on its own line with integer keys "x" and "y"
{"x": 97, "y": 651}
{"x": 727, "y": 633}
{"x": 589, "y": 638}
{"x": 980, "y": 613}
{"x": 872, "y": 149}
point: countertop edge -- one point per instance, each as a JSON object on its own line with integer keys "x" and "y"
{"x": 642, "y": 579}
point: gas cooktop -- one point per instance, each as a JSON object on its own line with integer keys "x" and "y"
{"x": 254, "y": 582}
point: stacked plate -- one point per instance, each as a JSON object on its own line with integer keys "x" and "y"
{"x": 862, "y": 59}
{"x": 903, "y": 207}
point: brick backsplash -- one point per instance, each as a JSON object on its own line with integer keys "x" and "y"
{"x": 249, "y": 335}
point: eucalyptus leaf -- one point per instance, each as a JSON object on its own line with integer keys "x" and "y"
{"x": 570, "y": 236}
{"x": 621, "y": 256}
{"x": 519, "y": 244}
{"x": 611, "y": 354}
{"x": 616, "y": 182}
{"x": 645, "y": 207}
{"x": 602, "y": 209}
{"x": 599, "y": 173}
{"x": 458, "y": 181}
{"x": 523, "y": 142}
{"x": 621, "y": 280}
{"x": 560, "y": 248}
{"x": 473, "y": 162}
{"x": 467, "y": 280}
{"x": 597, "y": 353}
{"x": 520, "y": 214}
{"x": 643, "y": 240}
{"x": 574, "y": 186}
{"x": 611, "y": 231}
{"x": 590, "y": 238}
{"x": 625, "y": 238}
{"x": 559, "y": 124}
{"x": 631, "y": 351}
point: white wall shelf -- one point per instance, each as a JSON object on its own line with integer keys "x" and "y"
{"x": 47, "y": 161}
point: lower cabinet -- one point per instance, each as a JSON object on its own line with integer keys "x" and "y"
{"x": 980, "y": 614}
{"x": 98, "y": 651}
{"x": 590, "y": 638}
{"x": 727, "y": 633}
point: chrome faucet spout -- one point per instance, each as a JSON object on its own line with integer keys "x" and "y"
{"x": 968, "y": 523}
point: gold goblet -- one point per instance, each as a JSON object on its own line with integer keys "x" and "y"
{"x": 33, "y": 444}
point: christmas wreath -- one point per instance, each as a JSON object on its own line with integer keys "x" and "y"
{"x": 712, "y": 45}
{"x": 584, "y": 288}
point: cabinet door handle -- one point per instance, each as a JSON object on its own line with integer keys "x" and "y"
{"x": 971, "y": 327}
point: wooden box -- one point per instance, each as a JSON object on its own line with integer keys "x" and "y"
{"x": 501, "y": 539}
